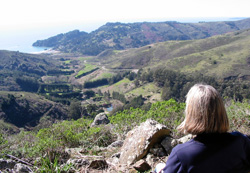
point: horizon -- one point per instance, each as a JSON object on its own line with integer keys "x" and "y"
{"x": 22, "y": 41}
{"x": 26, "y": 21}
{"x": 28, "y": 14}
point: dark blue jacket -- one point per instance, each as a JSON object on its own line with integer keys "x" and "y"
{"x": 226, "y": 152}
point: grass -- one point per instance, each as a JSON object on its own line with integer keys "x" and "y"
{"x": 84, "y": 58}
{"x": 144, "y": 90}
{"x": 122, "y": 86}
{"x": 67, "y": 62}
{"x": 103, "y": 75}
{"x": 149, "y": 90}
{"x": 125, "y": 80}
{"x": 23, "y": 95}
{"x": 87, "y": 68}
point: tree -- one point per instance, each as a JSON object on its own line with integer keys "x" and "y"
{"x": 75, "y": 110}
{"x": 89, "y": 93}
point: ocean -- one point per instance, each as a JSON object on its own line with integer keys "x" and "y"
{"x": 22, "y": 41}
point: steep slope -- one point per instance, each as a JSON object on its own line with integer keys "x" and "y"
{"x": 30, "y": 63}
{"x": 25, "y": 109}
{"x": 121, "y": 36}
{"x": 222, "y": 56}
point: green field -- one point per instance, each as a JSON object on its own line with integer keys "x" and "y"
{"x": 88, "y": 68}
{"x": 103, "y": 75}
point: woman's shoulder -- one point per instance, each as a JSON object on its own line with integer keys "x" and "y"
{"x": 187, "y": 146}
{"x": 236, "y": 133}
{"x": 241, "y": 136}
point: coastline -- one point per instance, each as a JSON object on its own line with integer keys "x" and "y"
{"x": 48, "y": 51}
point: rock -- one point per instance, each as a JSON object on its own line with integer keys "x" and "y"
{"x": 168, "y": 144}
{"x": 174, "y": 142}
{"x": 98, "y": 164}
{"x": 139, "y": 140}
{"x": 101, "y": 118}
{"x": 132, "y": 170}
{"x": 116, "y": 155}
{"x": 78, "y": 162}
{"x": 113, "y": 160}
{"x": 150, "y": 159}
{"x": 116, "y": 144}
{"x": 159, "y": 152}
{"x": 142, "y": 166}
{"x": 7, "y": 164}
{"x": 185, "y": 139}
{"x": 98, "y": 149}
{"x": 20, "y": 168}
{"x": 83, "y": 151}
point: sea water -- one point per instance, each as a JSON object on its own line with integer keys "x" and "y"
{"x": 20, "y": 41}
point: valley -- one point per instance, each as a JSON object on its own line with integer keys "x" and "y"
{"x": 48, "y": 101}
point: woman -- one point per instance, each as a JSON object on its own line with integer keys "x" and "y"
{"x": 213, "y": 149}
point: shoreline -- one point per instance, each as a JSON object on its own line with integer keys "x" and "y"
{"x": 48, "y": 51}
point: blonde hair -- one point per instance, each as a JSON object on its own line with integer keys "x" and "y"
{"x": 205, "y": 111}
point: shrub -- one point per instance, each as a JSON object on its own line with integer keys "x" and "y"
{"x": 3, "y": 142}
{"x": 169, "y": 113}
{"x": 239, "y": 116}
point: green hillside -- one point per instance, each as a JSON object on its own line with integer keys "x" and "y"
{"x": 16, "y": 67}
{"x": 24, "y": 109}
{"x": 221, "y": 56}
{"x": 120, "y": 36}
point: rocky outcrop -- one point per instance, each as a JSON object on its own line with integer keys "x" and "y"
{"x": 101, "y": 118}
{"x": 144, "y": 147}
{"x": 139, "y": 141}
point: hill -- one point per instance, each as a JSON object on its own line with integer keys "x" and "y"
{"x": 14, "y": 65}
{"x": 122, "y": 36}
{"x": 24, "y": 109}
{"x": 220, "y": 56}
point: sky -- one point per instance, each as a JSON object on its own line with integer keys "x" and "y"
{"x": 43, "y": 14}
{"x": 22, "y": 22}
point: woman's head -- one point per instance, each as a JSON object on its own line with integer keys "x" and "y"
{"x": 205, "y": 111}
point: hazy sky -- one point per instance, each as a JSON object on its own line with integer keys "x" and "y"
{"x": 26, "y": 14}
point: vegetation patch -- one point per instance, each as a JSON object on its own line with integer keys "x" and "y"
{"x": 89, "y": 68}
{"x": 104, "y": 75}
{"x": 145, "y": 90}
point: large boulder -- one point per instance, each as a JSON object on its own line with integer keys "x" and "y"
{"x": 101, "y": 118}
{"x": 139, "y": 140}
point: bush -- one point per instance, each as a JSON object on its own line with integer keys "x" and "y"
{"x": 3, "y": 142}
{"x": 239, "y": 116}
{"x": 169, "y": 113}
